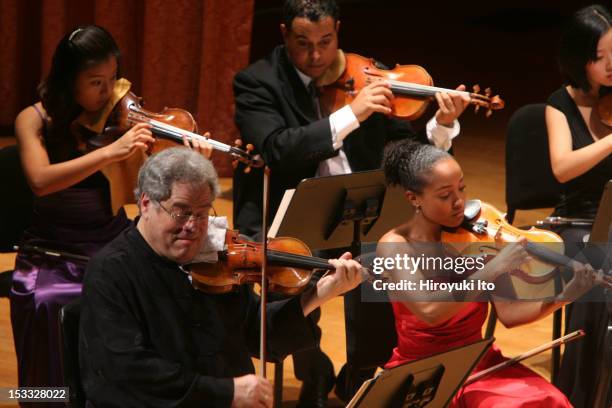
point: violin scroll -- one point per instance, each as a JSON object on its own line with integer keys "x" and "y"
{"x": 245, "y": 156}
{"x": 487, "y": 101}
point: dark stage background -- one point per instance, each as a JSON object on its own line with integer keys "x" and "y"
{"x": 509, "y": 46}
{"x": 184, "y": 53}
{"x": 181, "y": 53}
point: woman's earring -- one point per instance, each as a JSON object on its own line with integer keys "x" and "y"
{"x": 417, "y": 209}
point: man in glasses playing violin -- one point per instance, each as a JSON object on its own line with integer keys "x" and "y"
{"x": 278, "y": 112}
{"x": 148, "y": 338}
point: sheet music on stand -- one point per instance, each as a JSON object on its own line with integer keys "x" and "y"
{"x": 320, "y": 210}
{"x": 430, "y": 382}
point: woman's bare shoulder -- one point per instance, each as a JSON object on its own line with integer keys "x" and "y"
{"x": 32, "y": 115}
{"x": 398, "y": 234}
{"x": 30, "y": 123}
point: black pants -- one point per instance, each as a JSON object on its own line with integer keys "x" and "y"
{"x": 311, "y": 364}
{"x": 370, "y": 338}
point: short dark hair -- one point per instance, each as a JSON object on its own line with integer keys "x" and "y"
{"x": 81, "y": 48}
{"x": 409, "y": 163}
{"x": 578, "y": 45}
{"x": 313, "y": 10}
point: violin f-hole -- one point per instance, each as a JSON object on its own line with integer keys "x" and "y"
{"x": 349, "y": 85}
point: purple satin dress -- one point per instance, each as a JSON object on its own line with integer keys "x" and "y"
{"x": 75, "y": 220}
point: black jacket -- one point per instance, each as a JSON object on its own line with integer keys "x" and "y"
{"x": 275, "y": 113}
{"x": 149, "y": 339}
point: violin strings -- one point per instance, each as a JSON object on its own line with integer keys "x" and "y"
{"x": 544, "y": 253}
{"x": 298, "y": 257}
{"x": 421, "y": 90}
{"x": 306, "y": 260}
{"x": 289, "y": 257}
{"x": 178, "y": 133}
{"x": 301, "y": 260}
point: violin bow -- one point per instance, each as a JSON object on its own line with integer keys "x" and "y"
{"x": 555, "y": 343}
{"x": 53, "y": 253}
{"x": 264, "y": 277}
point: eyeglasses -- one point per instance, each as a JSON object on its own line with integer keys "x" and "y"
{"x": 182, "y": 217}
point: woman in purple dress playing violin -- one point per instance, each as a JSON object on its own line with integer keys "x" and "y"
{"x": 72, "y": 205}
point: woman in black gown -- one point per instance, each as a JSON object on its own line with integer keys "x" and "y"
{"x": 581, "y": 159}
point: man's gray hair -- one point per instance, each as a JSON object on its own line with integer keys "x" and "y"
{"x": 177, "y": 164}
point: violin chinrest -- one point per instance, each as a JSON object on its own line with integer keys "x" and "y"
{"x": 472, "y": 209}
{"x": 335, "y": 71}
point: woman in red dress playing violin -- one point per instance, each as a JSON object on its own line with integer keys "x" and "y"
{"x": 434, "y": 185}
{"x": 72, "y": 205}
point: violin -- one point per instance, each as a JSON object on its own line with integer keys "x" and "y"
{"x": 289, "y": 270}
{"x": 411, "y": 85}
{"x": 169, "y": 127}
{"x": 604, "y": 108}
{"x": 487, "y": 225}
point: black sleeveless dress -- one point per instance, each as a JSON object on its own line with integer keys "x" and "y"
{"x": 580, "y": 198}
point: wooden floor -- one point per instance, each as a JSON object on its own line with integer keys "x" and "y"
{"x": 481, "y": 154}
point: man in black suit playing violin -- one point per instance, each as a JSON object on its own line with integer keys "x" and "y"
{"x": 148, "y": 338}
{"x": 277, "y": 111}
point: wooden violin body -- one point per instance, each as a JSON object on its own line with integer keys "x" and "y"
{"x": 170, "y": 126}
{"x": 492, "y": 231}
{"x": 604, "y": 109}
{"x": 290, "y": 266}
{"x": 123, "y": 117}
{"x": 411, "y": 85}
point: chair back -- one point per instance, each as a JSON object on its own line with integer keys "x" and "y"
{"x": 17, "y": 199}
{"x": 530, "y": 182}
{"x": 69, "y": 323}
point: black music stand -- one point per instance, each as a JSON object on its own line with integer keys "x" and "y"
{"x": 350, "y": 209}
{"x": 603, "y": 219}
{"x": 428, "y": 382}
{"x": 602, "y": 232}
{"x": 337, "y": 213}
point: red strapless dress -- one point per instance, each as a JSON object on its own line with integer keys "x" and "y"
{"x": 515, "y": 386}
